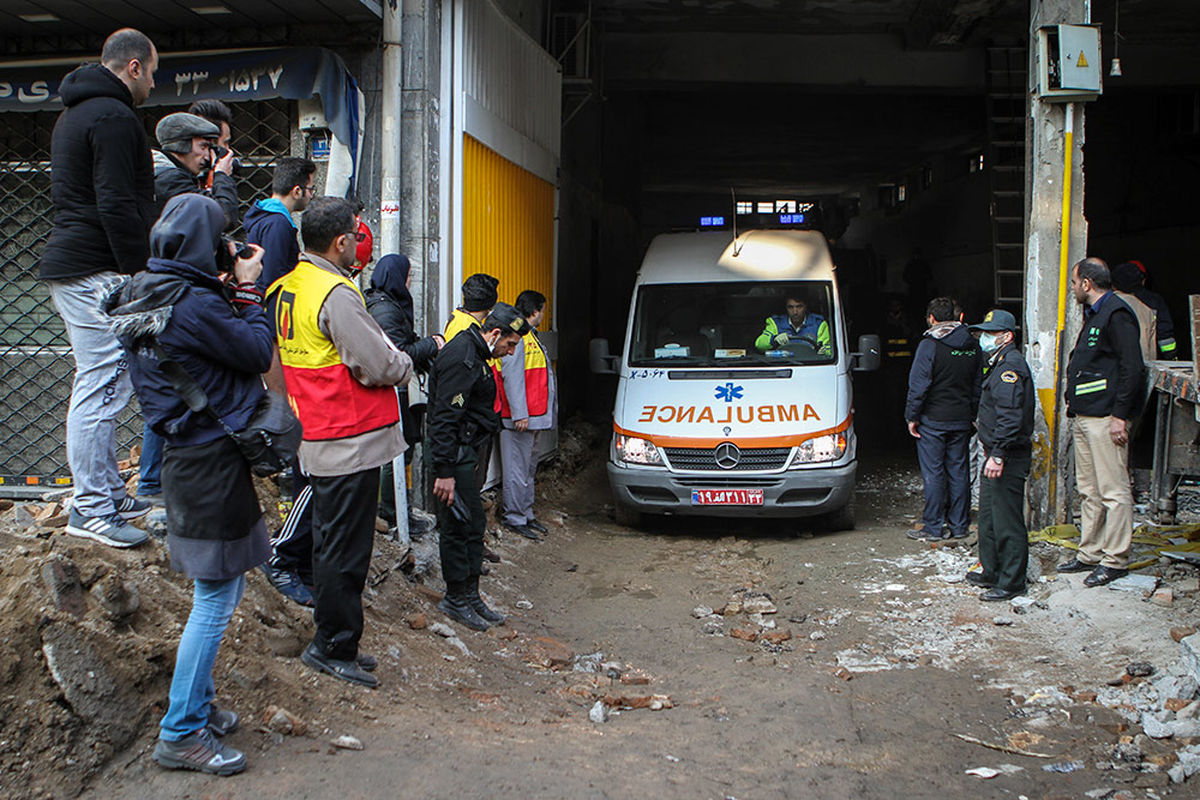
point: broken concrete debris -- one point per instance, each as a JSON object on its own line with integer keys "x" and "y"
{"x": 347, "y": 742}
{"x": 284, "y": 722}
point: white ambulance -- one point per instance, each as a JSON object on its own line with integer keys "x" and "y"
{"x": 734, "y": 397}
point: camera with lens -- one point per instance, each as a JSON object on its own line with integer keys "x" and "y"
{"x": 225, "y": 259}
{"x": 220, "y": 152}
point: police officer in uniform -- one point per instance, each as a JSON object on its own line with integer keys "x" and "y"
{"x": 462, "y": 416}
{"x": 1005, "y": 425}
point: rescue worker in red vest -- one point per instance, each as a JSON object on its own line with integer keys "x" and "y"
{"x": 463, "y": 415}
{"x": 528, "y": 406}
{"x": 340, "y": 371}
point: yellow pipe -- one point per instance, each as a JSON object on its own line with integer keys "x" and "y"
{"x": 1063, "y": 269}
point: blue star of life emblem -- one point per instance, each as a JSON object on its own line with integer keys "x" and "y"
{"x": 729, "y": 393}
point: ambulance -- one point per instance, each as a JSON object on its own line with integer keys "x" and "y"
{"x": 734, "y": 396}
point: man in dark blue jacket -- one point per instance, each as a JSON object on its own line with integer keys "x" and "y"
{"x": 943, "y": 395}
{"x": 269, "y": 222}
{"x": 102, "y": 187}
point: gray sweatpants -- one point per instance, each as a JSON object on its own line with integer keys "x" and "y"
{"x": 101, "y": 390}
{"x": 520, "y": 466}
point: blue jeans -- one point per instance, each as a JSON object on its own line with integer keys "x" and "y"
{"x": 946, "y": 472}
{"x": 100, "y": 392}
{"x": 192, "y": 689}
{"x": 151, "y": 463}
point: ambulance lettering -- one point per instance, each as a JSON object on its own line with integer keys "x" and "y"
{"x": 727, "y": 414}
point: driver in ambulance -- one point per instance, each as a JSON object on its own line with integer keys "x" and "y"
{"x": 797, "y": 325}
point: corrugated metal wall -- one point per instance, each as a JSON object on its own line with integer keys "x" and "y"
{"x": 508, "y": 223}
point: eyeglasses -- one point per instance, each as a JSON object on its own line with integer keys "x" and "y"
{"x": 309, "y": 189}
{"x": 359, "y": 236}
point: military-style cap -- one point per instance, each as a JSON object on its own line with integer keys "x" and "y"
{"x": 997, "y": 320}
{"x": 176, "y": 131}
{"x": 508, "y": 319}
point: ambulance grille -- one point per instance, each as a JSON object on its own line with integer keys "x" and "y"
{"x": 752, "y": 459}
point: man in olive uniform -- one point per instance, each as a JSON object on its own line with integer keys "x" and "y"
{"x": 1005, "y": 425}
{"x": 463, "y": 416}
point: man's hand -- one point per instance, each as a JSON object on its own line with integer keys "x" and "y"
{"x": 443, "y": 489}
{"x": 247, "y": 270}
{"x": 225, "y": 164}
{"x": 521, "y": 425}
{"x": 993, "y": 468}
{"x": 912, "y": 429}
{"x": 781, "y": 340}
{"x": 1118, "y": 429}
{"x": 441, "y": 342}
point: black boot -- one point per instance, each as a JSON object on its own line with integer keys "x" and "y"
{"x": 481, "y": 608}
{"x": 456, "y": 606}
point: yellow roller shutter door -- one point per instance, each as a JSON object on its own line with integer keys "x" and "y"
{"x": 508, "y": 223}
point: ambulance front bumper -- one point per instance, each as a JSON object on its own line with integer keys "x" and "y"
{"x": 794, "y": 493}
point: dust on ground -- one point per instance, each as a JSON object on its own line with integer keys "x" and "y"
{"x": 697, "y": 658}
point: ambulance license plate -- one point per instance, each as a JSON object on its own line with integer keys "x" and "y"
{"x": 727, "y": 497}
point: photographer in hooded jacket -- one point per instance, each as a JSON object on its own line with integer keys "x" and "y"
{"x": 217, "y": 332}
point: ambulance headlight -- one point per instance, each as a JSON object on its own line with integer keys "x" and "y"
{"x": 633, "y": 450}
{"x": 830, "y": 447}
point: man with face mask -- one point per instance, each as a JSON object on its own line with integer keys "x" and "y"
{"x": 463, "y": 416}
{"x": 340, "y": 371}
{"x": 1005, "y": 425}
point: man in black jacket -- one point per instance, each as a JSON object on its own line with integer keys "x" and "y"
{"x": 943, "y": 393}
{"x": 462, "y": 416}
{"x": 1104, "y": 385}
{"x": 1005, "y": 425}
{"x": 188, "y": 158}
{"x": 102, "y": 187}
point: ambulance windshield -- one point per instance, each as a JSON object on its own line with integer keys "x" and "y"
{"x": 734, "y": 324}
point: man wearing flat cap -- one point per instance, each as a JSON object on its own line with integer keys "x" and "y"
{"x": 185, "y": 159}
{"x": 1005, "y": 423}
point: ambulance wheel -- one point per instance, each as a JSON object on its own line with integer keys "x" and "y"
{"x": 842, "y": 519}
{"x": 627, "y": 515}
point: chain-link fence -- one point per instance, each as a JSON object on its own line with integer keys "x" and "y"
{"x": 36, "y": 367}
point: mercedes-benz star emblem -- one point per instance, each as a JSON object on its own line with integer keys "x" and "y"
{"x": 727, "y": 455}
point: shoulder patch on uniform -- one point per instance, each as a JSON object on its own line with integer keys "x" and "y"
{"x": 458, "y": 400}
{"x": 1008, "y": 376}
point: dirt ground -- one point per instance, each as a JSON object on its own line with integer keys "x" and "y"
{"x": 869, "y": 655}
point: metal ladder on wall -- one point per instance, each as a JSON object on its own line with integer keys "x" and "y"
{"x": 1007, "y": 92}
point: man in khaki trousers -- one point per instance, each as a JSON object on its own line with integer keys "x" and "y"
{"x": 1104, "y": 389}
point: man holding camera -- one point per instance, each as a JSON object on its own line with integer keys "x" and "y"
{"x": 340, "y": 371}
{"x": 188, "y": 157}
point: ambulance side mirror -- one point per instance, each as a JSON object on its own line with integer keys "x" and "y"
{"x": 602, "y": 361}
{"x": 867, "y": 357}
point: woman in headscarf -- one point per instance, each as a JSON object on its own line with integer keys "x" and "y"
{"x": 181, "y": 309}
{"x": 390, "y": 302}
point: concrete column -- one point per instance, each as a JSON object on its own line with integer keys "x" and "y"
{"x": 1047, "y": 345}
{"x": 420, "y": 153}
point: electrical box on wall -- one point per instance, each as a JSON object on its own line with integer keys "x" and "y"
{"x": 1068, "y": 63}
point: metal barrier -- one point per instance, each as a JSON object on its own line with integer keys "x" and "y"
{"x": 36, "y": 368}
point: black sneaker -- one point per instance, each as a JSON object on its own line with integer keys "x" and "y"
{"x": 222, "y": 722}
{"x": 923, "y": 535}
{"x": 523, "y": 531}
{"x": 534, "y": 525}
{"x": 349, "y": 671}
{"x": 130, "y": 507}
{"x": 289, "y": 585}
{"x": 202, "y": 752}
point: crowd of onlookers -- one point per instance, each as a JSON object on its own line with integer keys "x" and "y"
{"x": 157, "y": 299}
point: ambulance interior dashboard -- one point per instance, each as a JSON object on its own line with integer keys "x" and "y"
{"x": 734, "y": 324}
